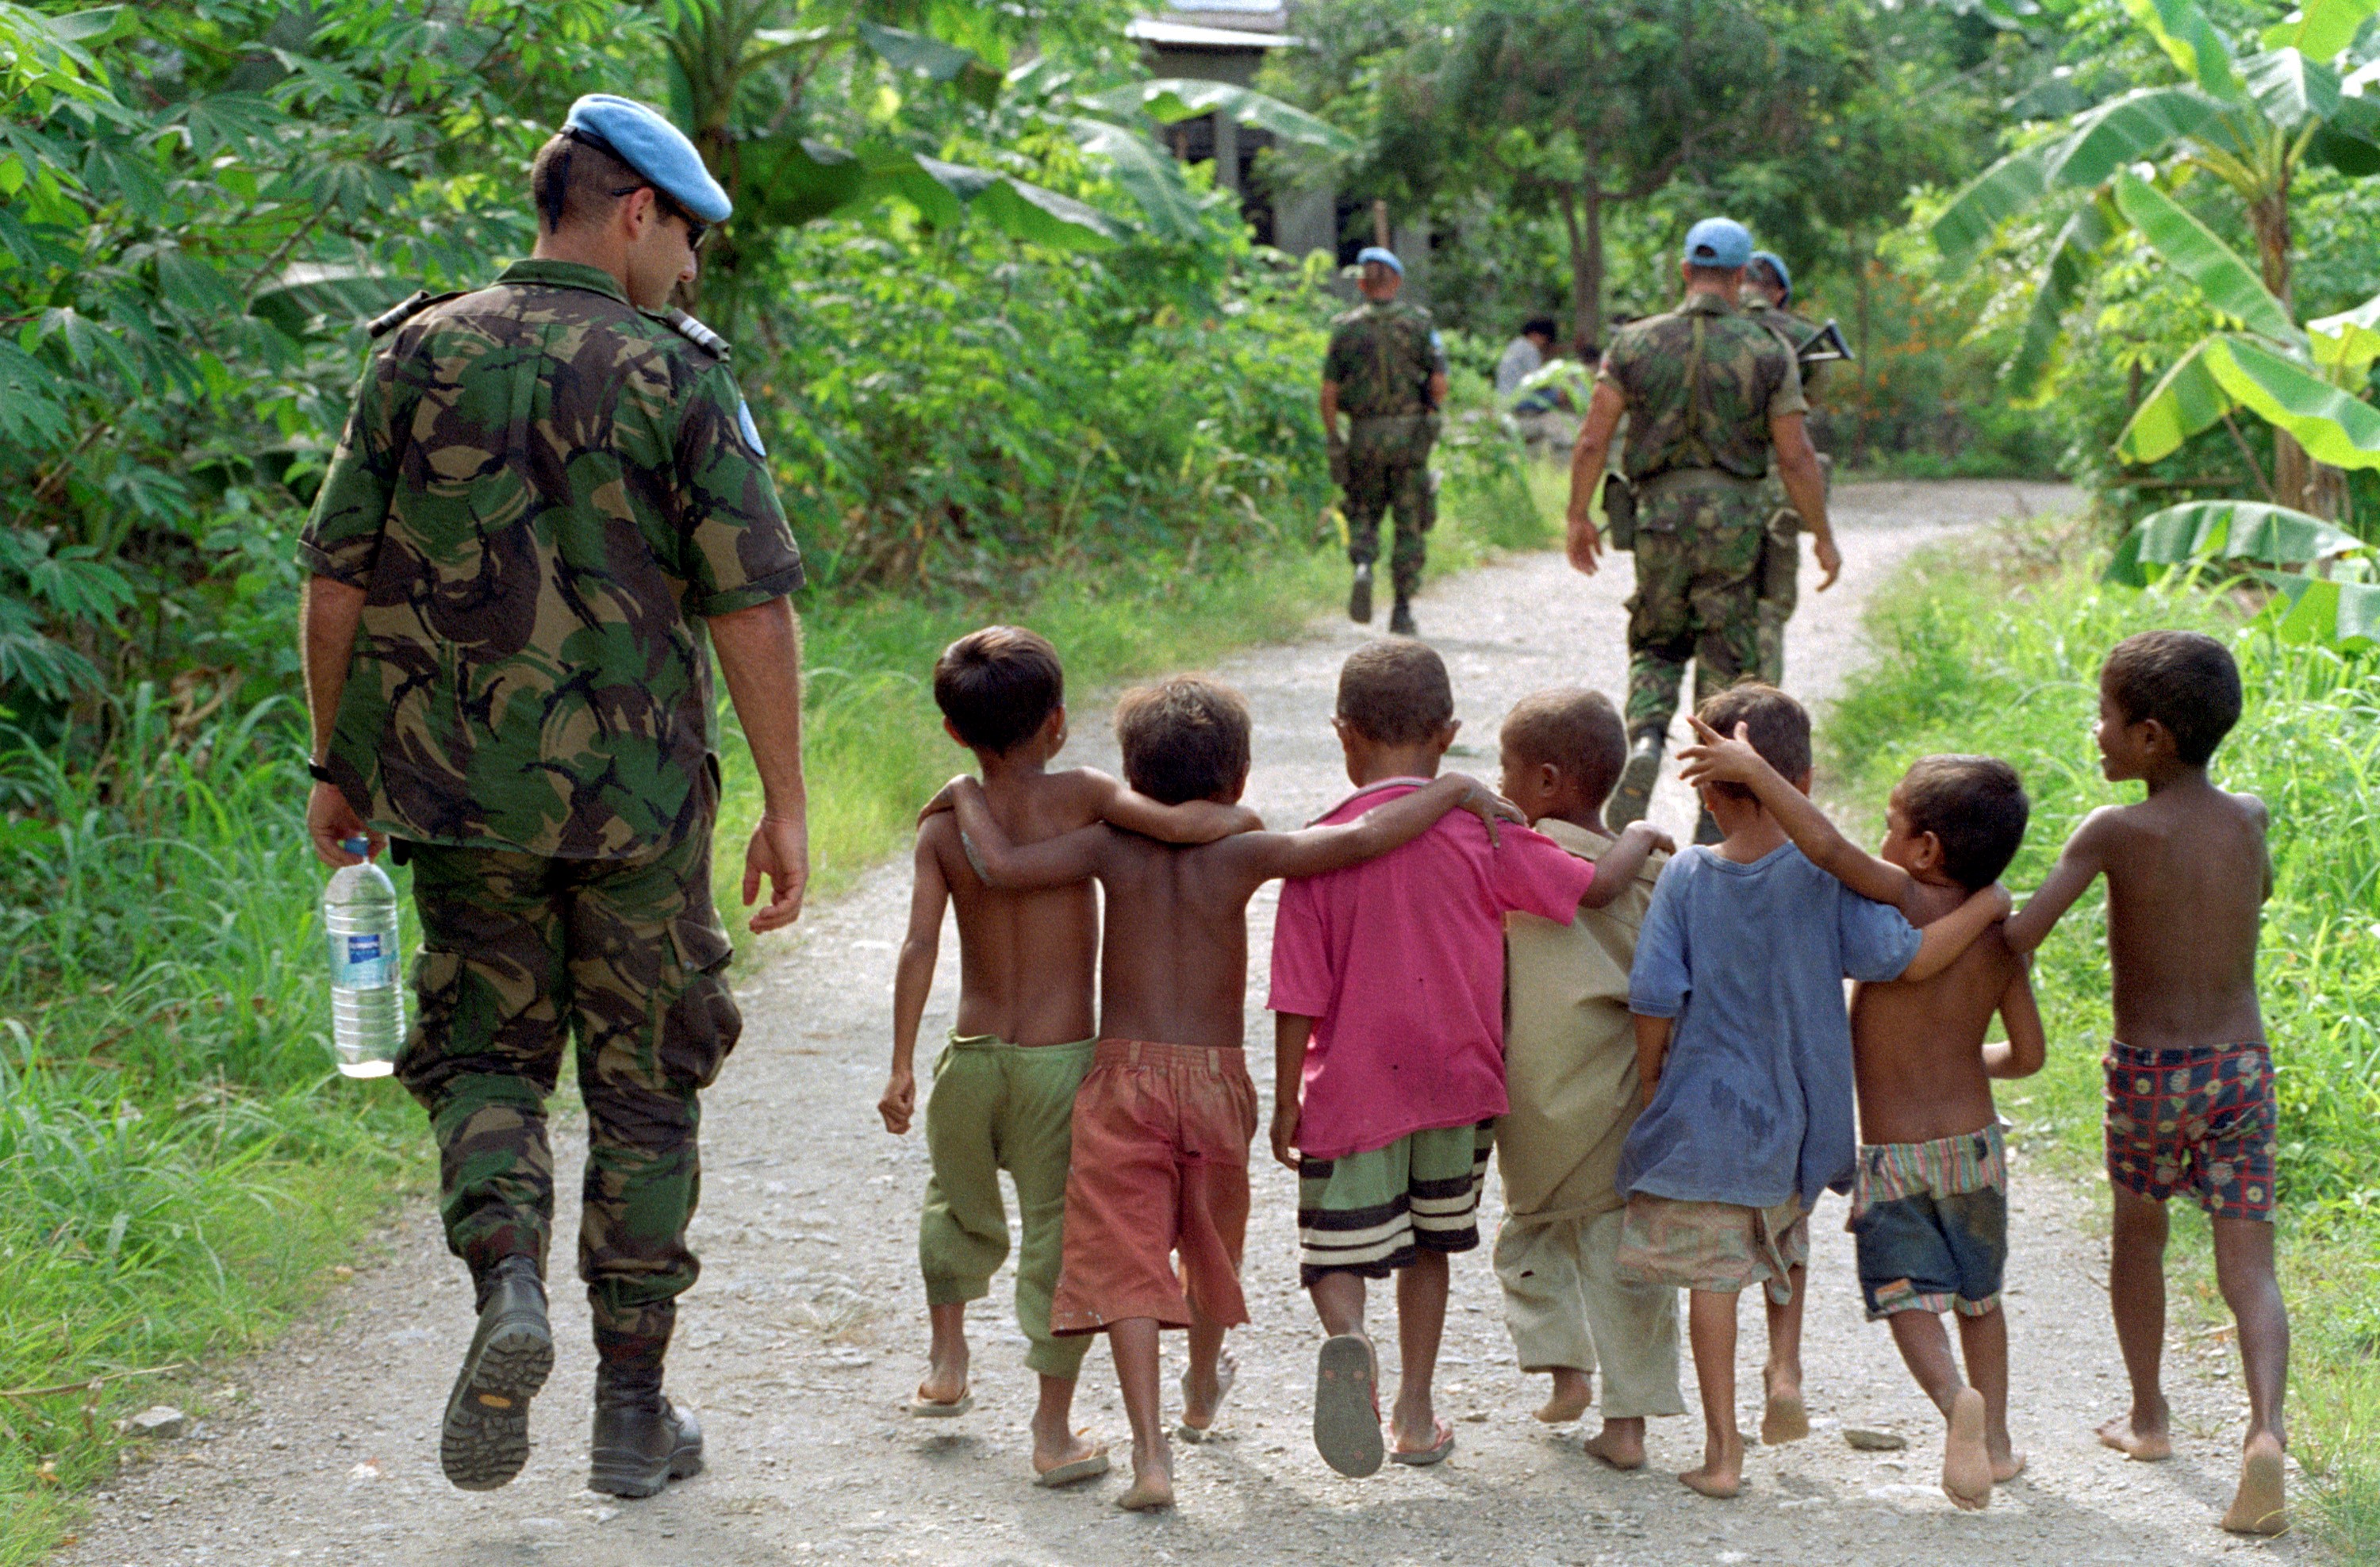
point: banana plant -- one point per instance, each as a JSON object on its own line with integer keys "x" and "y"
{"x": 2307, "y": 382}
{"x": 2324, "y": 582}
{"x": 2251, "y": 121}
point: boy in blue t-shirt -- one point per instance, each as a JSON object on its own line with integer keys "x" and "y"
{"x": 1745, "y": 1050}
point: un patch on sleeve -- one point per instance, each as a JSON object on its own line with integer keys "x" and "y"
{"x": 751, "y": 431}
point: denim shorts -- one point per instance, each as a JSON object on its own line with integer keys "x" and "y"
{"x": 1929, "y": 1222}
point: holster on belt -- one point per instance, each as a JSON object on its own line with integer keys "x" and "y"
{"x": 1619, "y": 510}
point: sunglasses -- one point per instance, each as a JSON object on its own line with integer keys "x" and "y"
{"x": 695, "y": 230}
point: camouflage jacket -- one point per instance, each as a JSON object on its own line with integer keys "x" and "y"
{"x": 542, "y": 491}
{"x": 1701, "y": 383}
{"x": 1796, "y": 331}
{"x": 1381, "y": 358}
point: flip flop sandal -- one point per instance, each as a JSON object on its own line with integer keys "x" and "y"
{"x": 1088, "y": 1467}
{"x": 931, "y": 1409}
{"x": 1435, "y": 1454}
{"x": 1347, "y": 1406}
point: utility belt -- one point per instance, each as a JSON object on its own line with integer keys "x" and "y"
{"x": 1391, "y": 438}
{"x": 1622, "y": 496}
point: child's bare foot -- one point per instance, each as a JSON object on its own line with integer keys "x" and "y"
{"x": 2259, "y": 1507}
{"x": 1573, "y": 1390}
{"x": 1785, "y": 1418}
{"x": 945, "y": 1384}
{"x": 2142, "y": 1434}
{"x": 1966, "y": 1461}
{"x": 1621, "y": 1444}
{"x": 1721, "y": 1475}
{"x": 1152, "y": 1480}
{"x": 1200, "y": 1405}
{"x": 2007, "y": 1465}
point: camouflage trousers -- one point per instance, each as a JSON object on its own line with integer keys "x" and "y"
{"x": 1780, "y": 568}
{"x": 1698, "y": 553}
{"x": 1388, "y": 469}
{"x": 520, "y": 953}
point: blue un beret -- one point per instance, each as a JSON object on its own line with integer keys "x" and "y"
{"x": 1718, "y": 242}
{"x": 1776, "y": 263}
{"x": 1381, "y": 254}
{"x": 641, "y": 138}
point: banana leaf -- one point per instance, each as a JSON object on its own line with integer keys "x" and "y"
{"x": 2290, "y": 88}
{"x": 2333, "y": 426}
{"x": 2345, "y": 616}
{"x": 306, "y": 290}
{"x": 2321, "y": 28}
{"x": 2073, "y": 259}
{"x": 2185, "y": 400}
{"x": 2226, "y": 530}
{"x": 1146, "y": 175}
{"x": 2349, "y": 141}
{"x": 2229, "y": 285}
{"x": 2348, "y": 342}
{"x": 1167, "y": 100}
{"x": 2190, "y": 41}
{"x": 787, "y": 181}
{"x": 935, "y": 60}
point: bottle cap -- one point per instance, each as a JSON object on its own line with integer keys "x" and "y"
{"x": 357, "y": 846}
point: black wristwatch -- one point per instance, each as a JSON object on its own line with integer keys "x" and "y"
{"x": 318, "y": 772}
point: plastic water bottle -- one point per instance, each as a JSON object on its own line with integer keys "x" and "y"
{"x": 367, "y": 984}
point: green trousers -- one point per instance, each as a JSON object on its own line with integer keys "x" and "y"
{"x": 1698, "y": 553}
{"x": 520, "y": 955}
{"x": 995, "y": 1106}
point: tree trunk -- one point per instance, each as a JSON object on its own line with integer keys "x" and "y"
{"x": 1582, "y": 314}
{"x": 1594, "y": 263}
{"x": 1860, "y": 265}
{"x": 2299, "y": 481}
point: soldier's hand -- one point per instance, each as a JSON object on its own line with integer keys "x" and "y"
{"x": 780, "y": 851}
{"x": 1830, "y": 560}
{"x": 1584, "y": 545}
{"x": 331, "y": 821}
{"x": 899, "y": 1103}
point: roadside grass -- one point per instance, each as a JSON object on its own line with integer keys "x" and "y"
{"x": 1996, "y": 646}
{"x": 182, "y": 1172}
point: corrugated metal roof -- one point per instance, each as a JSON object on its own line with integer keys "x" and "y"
{"x": 1181, "y": 35}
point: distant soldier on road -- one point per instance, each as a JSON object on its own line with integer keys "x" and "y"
{"x": 550, "y": 504}
{"x": 1768, "y": 299}
{"x": 1386, "y": 369}
{"x": 1708, "y": 392}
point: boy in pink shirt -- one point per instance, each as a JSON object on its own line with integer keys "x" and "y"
{"x": 1387, "y": 983}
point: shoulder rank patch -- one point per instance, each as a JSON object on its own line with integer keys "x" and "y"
{"x": 421, "y": 299}
{"x": 701, "y": 336}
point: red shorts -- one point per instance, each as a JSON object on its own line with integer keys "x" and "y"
{"x": 1159, "y": 1166}
{"x": 2198, "y": 1120}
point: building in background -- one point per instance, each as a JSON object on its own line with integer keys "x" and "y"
{"x": 1229, "y": 41}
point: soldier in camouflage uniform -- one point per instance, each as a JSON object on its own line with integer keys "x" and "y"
{"x": 1707, "y": 392}
{"x": 1386, "y": 369}
{"x": 549, "y": 503}
{"x": 1767, "y": 296}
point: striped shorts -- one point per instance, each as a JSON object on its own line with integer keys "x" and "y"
{"x": 1369, "y": 1213}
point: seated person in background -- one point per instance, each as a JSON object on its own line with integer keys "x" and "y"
{"x": 1569, "y": 1070}
{"x": 1162, "y": 1123}
{"x": 1744, "y": 1049}
{"x": 1929, "y": 1203}
{"x": 1524, "y": 357}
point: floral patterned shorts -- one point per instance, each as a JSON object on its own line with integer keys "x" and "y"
{"x": 2198, "y": 1121}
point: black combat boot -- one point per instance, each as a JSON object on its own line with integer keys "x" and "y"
{"x": 1634, "y": 794}
{"x": 484, "y": 1439}
{"x": 1400, "y": 620}
{"x": 1359, "y": 597}
{"x": 642, "y": 1442}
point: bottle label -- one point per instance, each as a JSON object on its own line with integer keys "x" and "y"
{"x": 362, "y": 963}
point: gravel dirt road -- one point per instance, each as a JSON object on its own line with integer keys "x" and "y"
{"x": 808, "y": 1331}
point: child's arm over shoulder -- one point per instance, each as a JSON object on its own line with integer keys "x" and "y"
{"x": 2026, "y": 1047}
{"x": 1718, "y": 759}
{"x": 1192, "y": 821}
{"x": 913, "y": 977}
{"x": 1625, "y": 862}
{"x": 1310, "y": 851}
{"x": 1941, "y": 943}
{"x": 1054, "y": 862}
{"x": 2079, "y": 864}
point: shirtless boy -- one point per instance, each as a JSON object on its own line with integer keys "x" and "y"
{"x": 1003, "y": 1092}
{"x": 2189, "y": 1080}
{"x": 1929, "y": 1199}
{"x": 1163, "y": 1122}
